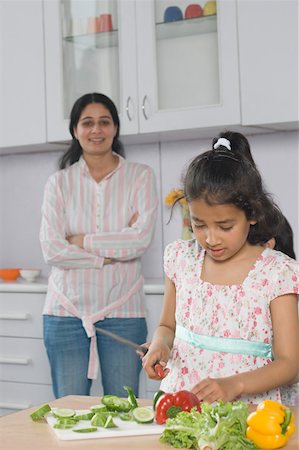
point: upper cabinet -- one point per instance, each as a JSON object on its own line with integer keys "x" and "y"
{"x": 166, "y": 68}
{"x": 268, "y": 51}
{"x": 22, "y": 83}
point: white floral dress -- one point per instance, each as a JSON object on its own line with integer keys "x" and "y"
{"x": 235, "y": 311}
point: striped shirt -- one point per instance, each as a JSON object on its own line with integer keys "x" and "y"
{"x": 74, "y": 203}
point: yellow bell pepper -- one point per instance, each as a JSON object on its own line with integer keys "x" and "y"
{"x": 271, "y": 425}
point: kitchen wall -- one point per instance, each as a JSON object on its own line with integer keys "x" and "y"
{"x": 22, "y": 179}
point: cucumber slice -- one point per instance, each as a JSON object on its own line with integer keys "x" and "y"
{"x": 86, "y": 430}
{"x": 85, "y": 416}
{"x": 64, "y": 412}
{"x": 98, "y": 408}
{"x": 110, "y": 423}
{"x": 115, "y": 403}
{"x": 98, "y": 420}
{"x": 131, "y": 396}
{"x": 39, "y": 414}
{"x": 64, "y": 424}
{"x": 142, "y": 414}
{"x": 157, "y": 395}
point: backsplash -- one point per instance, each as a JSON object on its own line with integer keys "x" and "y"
{"x": 22, "y": 180}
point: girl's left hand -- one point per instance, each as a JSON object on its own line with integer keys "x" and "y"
{"x": 214, "y": 389}
{"x": 76, "y": 239}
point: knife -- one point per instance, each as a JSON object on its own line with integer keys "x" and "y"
{"x": 122, "y": 340}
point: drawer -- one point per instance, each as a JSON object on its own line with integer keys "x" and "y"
{"x": 17, "y": 396}
{"x": 24, "y": 359}
{"x": 21, "y": 314}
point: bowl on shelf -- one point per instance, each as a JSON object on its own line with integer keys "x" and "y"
{"x": 9, "y": 274}
{"x": 172, "y": 14}
{"x": 193, "y": 10}
{"x": 30, "y": 274}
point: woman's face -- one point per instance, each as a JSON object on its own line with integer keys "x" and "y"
{"x": 95, "y": 130}
{"x": 222, "y": 230}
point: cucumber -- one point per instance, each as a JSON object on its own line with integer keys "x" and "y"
{"x": 85, "y": 416}
{"x": 143, "y": 414}
{"x": 86, "y": 430}
{"x": 114, "y": 403}
{"x": 110, "y": 423}
{"x": 63, "y": 413}
{"x": 98, "y": 420}
{"x": 39, "y": 414}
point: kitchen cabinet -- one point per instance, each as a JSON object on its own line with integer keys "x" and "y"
{"x": 163, "y": 77}
{"x": 25, "y": 378}
{"x": 268, "y": 51}
{"x": 22, "y": 93}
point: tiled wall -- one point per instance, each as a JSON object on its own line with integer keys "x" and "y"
{"x": 22, "y": 179}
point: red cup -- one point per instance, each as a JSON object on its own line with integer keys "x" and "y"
{"x": 193, "y": 10}
{"x": 105, "y": 22}
{"x": 93, "y": 25}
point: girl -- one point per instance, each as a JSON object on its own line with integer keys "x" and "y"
{"x": 98, "y": 218}
{"x": 229, "y": 324}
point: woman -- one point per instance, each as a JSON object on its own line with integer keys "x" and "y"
{"x": 98, "y": 218}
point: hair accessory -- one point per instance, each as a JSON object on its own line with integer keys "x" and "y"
{"x": 222, "y": 142}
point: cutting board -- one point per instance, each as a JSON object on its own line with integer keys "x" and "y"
{"x": 125, "y": 428}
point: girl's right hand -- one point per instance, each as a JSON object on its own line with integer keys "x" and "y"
{"x": 156, "y": 354}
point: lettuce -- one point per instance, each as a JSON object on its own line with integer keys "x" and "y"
{"x": 221, "y": 426}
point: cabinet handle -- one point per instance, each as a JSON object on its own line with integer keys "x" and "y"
{"x": 19, "y": 361}
{"x": 5, "y": 405}
{"x": 143, "y": 107}
{"x": 129, "y": 100}
{"x": 25, "y": 316}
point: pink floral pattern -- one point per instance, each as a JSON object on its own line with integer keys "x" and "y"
{"x": 235, "y": 311}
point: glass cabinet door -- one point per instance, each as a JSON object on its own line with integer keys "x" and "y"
{"x": 90, "y": 55}
{"x": 189, "y": 71}
{"x": 88, "y": 49}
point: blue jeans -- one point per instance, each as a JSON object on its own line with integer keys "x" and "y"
{"x": 67, "y": 347}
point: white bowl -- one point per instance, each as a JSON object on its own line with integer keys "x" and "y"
{"x": 30, "y": 274}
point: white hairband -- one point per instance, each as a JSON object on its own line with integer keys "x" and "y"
{"x": 224, "y": 142}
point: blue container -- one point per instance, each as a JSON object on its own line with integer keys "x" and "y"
{"x": 172, "y": 14}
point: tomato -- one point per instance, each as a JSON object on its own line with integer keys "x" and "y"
{"x": 169, "y": 405}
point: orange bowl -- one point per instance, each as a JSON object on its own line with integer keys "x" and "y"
{"x": 9, "y": 274}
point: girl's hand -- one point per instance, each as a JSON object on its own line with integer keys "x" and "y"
{"x": 213, "y": 389}
{"x": 133, "y": 219}
{"x": 76, "y": 239}
{"x": 156, "y": 354}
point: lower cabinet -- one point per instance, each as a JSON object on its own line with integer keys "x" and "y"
{"x": 25, "y": 378}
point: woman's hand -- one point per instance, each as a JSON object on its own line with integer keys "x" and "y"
{"x": 214, "y": 389}
{"x": 157, "y": 353}
{"x": 133, "y": 219}
{"x": 76, "y": 239}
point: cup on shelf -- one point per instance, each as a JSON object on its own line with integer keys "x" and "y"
{"x": 93, "y": 24}
{"x": 105, "y": 23}
{"x": 172, "y": 14}
{"x": 193, "y": 10}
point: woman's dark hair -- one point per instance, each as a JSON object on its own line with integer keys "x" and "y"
{"x": 74, "y": 151}
{"x": 223, "y": 176}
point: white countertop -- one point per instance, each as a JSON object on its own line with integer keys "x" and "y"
{"x": 153, "y": 286}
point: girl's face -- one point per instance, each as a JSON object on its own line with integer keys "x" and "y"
{"x": 222, "y": 230}
{"x": 95, "y": 130}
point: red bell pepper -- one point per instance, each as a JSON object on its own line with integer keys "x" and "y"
{"x": 169, "y": 405}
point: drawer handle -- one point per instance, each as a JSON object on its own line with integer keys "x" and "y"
{"x": 25, "y": 316}
{"x": 13, "y": 406}
{"x": 19, "y": 361}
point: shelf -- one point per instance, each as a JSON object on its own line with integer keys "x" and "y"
{"x": 187, "y": 27}
{"x": 165, "y": 30}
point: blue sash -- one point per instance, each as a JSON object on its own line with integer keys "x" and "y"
{"x": 221, "y": 344}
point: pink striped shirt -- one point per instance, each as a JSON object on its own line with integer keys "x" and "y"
{"x": 74, "y": 203}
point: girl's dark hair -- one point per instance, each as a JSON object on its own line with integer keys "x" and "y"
{"x": 222, "y": 176}
{"x": 74, "y": 151}
{"x": 284, "y": 240}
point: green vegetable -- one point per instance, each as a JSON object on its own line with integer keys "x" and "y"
{"x": 221, "y": 426}
{"x": 98, "y": 420}
{"x": 131, "y": 397}
{"x": 126, "y": 416}
{"x": 85, "y": 416}
{"x": 85, "y": 430}
{"x": 64, "y": 424}
{"x": 114, "y": 403}
{"x": 64, "y": 412}
{"x": 110, "y": 423}
{"x": 142, "y": 414}
{"x": 40, "y": 413}
{"x": 157, "y": 395}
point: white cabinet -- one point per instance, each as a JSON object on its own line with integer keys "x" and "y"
{"x": 22, "y": 83}
{"x": 24, "y": 370}
{"x": 268, "y": 49}
{"x": 163, "y": 77}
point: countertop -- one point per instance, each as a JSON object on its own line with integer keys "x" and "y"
{"x": 18, "y": 431}
{"x": 153, "y": 286}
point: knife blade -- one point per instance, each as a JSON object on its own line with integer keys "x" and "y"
{"x": 122, "y": 340}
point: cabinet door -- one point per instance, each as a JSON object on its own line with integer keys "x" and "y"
{"x": 85, "y": 53}
{"x": 187, "y": 69}
{"x": 22, "y": 96}
{"x": 268, "y": 42}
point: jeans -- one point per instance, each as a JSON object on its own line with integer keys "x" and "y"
{"x": 67, "y": 346}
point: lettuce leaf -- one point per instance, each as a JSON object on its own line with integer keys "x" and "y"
{"x": 221, "y": 426}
